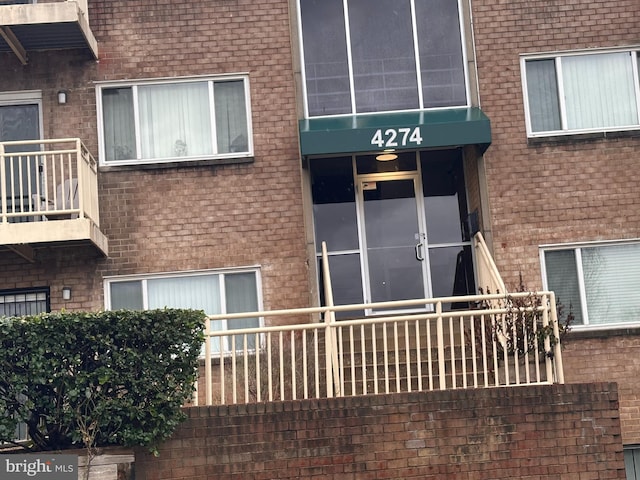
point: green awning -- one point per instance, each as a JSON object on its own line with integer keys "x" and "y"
{"x": 398, "y": 131}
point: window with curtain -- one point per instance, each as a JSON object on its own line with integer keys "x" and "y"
{"x": 212, "y": 292}
{"x": 575, "y": 93}
{"x": 184, "y": 119}
{"x": 382, "y": 55}
{"x": 599, "y": 283}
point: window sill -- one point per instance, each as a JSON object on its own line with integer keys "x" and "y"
{"x": 177, "y": 164}
{"x": 580, "y": 333}
{"x": 568, "y": 138}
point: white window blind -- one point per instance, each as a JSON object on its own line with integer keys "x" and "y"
{"x": 212, "y": 292}
{"x": 601, "y": 283}
{"x": 582, "y": 92}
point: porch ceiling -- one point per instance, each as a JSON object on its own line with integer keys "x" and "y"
{"x": 44, "y": 26}
{"x": 25, "y": 236}
{"x": 357, "y": 133}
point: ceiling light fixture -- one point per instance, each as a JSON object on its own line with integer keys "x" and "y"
{"x": 386, "y": 156}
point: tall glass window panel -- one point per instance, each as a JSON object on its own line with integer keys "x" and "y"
{"x": 334, "y": 204}
{"x": 346, "y": 282}
{"x": 231, "y": 116}
{"x": 562, "y": 278}
{"x": 126, "y": 295}
{"x": 445, "y": 200}
{"x": 384, "y": 67}
{"x": 119, "y": 124}
{"x": 451, "y": 273}
{"x": 440, "y": 50}
{"x": 542, "y": 90}
{"x": 240, "y": 292}
{"x": 20, "y": 122}
{"x": 175, "y": 120}
{"x": 599, "y": 90}
{"x": 325, "y": 57}
{"x": 612, "y": 283}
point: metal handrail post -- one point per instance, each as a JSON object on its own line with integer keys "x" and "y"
{"x": 3, "y": 184}
{"x": 557, "y": 351}
{"x": 441, "y": 359}
{"x": 333, "y": 380}
{"x": 81, "y": 177}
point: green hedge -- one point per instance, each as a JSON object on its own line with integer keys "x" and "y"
{"x": 97, "y": 379}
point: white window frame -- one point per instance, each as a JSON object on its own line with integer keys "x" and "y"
{"x": 577, "y": 248}
{"x": 557, "y": 57}
{"x": 210, "y": 79}
{"x": 108, "y": 281}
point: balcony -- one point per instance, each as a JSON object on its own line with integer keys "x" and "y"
{"x": 49, "y": 193}
{"x": 478, "y": 341}
{"x": 27, "y": 26}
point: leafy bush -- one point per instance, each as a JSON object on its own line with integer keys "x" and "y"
{"x": 85, "y": 380}
{"x": 520, "y": 330}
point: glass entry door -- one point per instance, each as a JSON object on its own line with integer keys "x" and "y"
{"x": 20, "y": 122}
{"x": 393, "y": 238}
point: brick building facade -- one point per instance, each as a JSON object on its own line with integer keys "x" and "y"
{"x": 181, "y": 216}
{"x": 293, "y": 102}
{"x": 567, "y": 190}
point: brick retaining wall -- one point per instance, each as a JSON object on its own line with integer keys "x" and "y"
{"x": 558, "y": 431}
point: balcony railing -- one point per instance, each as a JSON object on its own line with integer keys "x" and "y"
{"x": 490, "y": 340}
{"x": 47, "y": 181}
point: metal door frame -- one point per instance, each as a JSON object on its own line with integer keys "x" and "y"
{"x": 420, "y": 212}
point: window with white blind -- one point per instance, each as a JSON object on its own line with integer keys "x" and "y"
{"x": 581, "y": 92}
{"x": 600, "y": 283}
{"x": 184, "y": 119}
{"x": 214, "y": 292}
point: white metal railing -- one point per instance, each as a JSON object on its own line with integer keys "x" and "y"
{"x": 489, "y": 279}
{"x": 44, "y": 180}
{"x": 498, "y": 340}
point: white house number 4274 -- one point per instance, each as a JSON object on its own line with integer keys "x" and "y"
{"x": 396, "y": 137}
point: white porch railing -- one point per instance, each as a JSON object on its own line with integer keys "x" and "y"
{"x": 489, "y": 279}
{"x": 44, "y": 180}
{"x": 495, "y": 340}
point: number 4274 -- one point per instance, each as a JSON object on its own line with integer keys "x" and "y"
{"x": 397, "y": 137}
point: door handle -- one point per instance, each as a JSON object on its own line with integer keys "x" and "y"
{"x": 419, "y": 252}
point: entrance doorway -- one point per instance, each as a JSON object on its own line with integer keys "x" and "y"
{"x": 394, "y": 230}
{"x": 20, "y": 121}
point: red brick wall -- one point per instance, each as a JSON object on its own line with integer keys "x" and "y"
{"x": 185, "y": 217}
{"x": 563, "y": 190}
{"x": 609, "y": 356}
{"x": 574, "y": 190}
{"x": 555, "y": 432}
